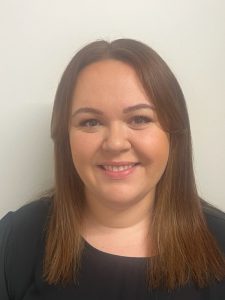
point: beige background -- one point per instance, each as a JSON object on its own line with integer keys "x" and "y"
{"x": 38, "y": 38}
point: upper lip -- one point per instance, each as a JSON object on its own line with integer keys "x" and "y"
{"x": 118, "y": 163}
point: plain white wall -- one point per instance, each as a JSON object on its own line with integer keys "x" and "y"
{"x": 38, "y": 38}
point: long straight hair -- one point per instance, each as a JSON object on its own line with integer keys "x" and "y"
{"x": 184, "y": 247}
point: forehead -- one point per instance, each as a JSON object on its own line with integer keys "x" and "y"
{"x": 107, "y": 67}
{"x": 109, "y": 80}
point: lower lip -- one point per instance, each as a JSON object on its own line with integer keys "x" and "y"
{"x": 118, "y": 174}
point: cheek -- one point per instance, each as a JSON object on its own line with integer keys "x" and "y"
{"x": 82, "y": 147}
{"x": 156, "y": 148}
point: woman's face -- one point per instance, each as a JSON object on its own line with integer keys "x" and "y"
{"x": 118, "y": 147}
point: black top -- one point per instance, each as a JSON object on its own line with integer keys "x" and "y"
{"x": 103, "y": 275}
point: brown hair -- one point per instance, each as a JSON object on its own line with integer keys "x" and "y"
{"x": 185, "y": 248}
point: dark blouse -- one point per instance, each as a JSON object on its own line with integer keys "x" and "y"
{"x": 102, "y": 276}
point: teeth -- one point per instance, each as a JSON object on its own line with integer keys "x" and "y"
{"x": 117, "y": 168}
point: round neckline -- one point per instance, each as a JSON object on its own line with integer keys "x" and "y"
{"x": 100, "y": 252}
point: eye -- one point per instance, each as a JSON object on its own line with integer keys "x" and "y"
{"x": 140, "y": 120}
{"x": 89, "y": 123}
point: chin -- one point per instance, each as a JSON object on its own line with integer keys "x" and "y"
{"x": 120, "y": 202}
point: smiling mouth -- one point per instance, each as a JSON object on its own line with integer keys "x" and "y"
{"x": 120, "y": 168}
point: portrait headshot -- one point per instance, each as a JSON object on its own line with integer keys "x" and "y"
{"x": 122, "y": 208}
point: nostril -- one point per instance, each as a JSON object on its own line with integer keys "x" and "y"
{"x": 116, "y": 144}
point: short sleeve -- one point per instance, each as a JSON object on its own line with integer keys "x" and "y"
{"x": 5, "y": 229}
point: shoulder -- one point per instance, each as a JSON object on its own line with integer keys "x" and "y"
{"x": 27, "y": 220}
{"x": 215, "y": 219}
{"x": 21, "y": 243}
{"x": 32, "y": 213}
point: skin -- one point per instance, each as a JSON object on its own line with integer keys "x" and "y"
{"x": 117, "y": 216}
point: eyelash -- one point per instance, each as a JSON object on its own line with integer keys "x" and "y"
{"x": 146, "y": 119}
{"x": 140, "y": 117}
{"x": 84, "y": 123}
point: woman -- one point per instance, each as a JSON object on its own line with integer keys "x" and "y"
{"x": 124, "y": 220}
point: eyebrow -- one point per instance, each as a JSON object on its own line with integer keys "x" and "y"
{"x": 99, "y": 112}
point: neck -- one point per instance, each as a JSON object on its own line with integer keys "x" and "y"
{"x": 118, "y": 230}
{"x": 116, "y": 218}
{"x": 118, "y": 215}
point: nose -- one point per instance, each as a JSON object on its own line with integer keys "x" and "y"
{"x": 116, "y": 139}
